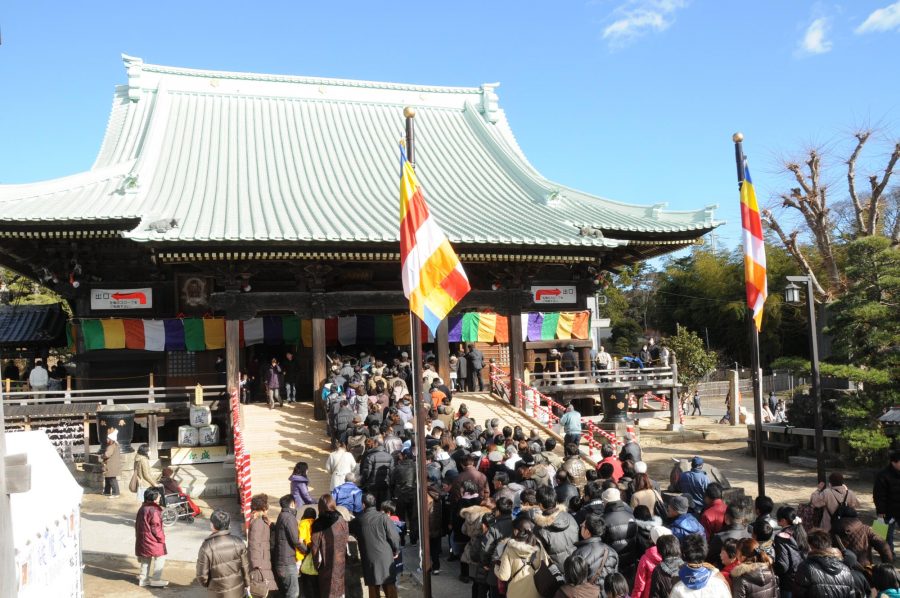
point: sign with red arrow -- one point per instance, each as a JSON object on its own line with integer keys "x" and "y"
{"x": 553, "y": 294}
{"x": 118, "y": 299}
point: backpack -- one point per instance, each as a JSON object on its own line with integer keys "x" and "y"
{"x": 835, "y": 517}
{"x": 356, "y": 445}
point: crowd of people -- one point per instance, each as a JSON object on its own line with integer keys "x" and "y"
{"x": 527, "y": 518}
{"x": 276, "y": 380}
{"x": 524, "y": 519}
{"x": 38, "y": 376}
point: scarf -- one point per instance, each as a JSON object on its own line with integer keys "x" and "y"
{"x": 325, "y": 520}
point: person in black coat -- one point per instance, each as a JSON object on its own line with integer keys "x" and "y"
{"x": 601, "y": 558}
{"x": 791, "y": 548}
{"x": 822, "y": 574}
{"x": 621, "y": 531}
{"x": 379, "y": 546}
{"x": 565, "y": 489}
{"x": 886, "y": 494}
{"x": 665, "y": 575}
{"x": 474, "y": 365}
{"x": 403, "y": 489}
{"x": 375, "y": 470}
{"x": 286, "y": 541}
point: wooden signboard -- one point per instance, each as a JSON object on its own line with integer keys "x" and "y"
{"x": 192, "y": 455}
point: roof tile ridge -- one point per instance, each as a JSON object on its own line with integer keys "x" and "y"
{"x": 641, "y": 210}
{"x": 214, "y": 74}
{"x": 524, "y": 172}
{"x": 108, "y": 136}
{"x": 67, "y": 182}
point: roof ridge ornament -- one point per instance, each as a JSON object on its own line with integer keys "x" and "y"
{"x": 709, "y": 214}
{"x": 657, "y": 208}
{"x": 134, "y": 66}
{"x": 490, "y": 102}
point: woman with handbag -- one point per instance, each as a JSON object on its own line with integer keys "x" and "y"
{"x": 262, "y": 580}
{"x": 520, "y": 558}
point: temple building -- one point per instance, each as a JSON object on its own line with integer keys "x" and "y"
{"x": 272, "y": 201}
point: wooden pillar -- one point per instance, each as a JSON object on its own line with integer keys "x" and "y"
{"x": 516, "y": 353}
{"x": 442, "y": 350}
{"x": 232, "y": 355}
{"x": 585, "y": 360}
{"x": 153, "y": 435}
{"x": 151, "y": 389}
{"x": 86, "y": 436}
{"x": 318, "y": 366}
{"x": 675, "y": 423}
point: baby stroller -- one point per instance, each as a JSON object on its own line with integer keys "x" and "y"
{"x": 175, "y": 506}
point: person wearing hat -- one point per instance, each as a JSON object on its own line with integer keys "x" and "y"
{"x": 693, "y": 483}
{"x": 621, "y": 530}
{"x": 571, "y": 425}
{"x": 649, "y": 561}
{"x": 684, "y": 523}
{"x": 570, "y": 362}
{"x": 112, "y": 464}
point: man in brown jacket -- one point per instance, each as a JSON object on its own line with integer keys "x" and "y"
{"x": 222, "y": 564}
{"x": 470, "y": 472}
{"x": 112, "y": 464}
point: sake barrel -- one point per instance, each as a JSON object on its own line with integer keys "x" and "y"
{"x": 188, "y": 436}
{"x": 200, "y": 416}
{"x": 209, "y": 435}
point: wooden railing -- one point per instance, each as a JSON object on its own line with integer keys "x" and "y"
{"x": 114, "y": 396}
{"x": 639, "y": 377}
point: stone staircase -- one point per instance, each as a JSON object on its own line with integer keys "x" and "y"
{"x": 276, "y": 439}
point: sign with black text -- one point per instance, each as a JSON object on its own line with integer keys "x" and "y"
{"x": 553, "y": 294}
{"x": 113, "y": 299}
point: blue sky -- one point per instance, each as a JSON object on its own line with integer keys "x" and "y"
{"x": 635, "y": 100}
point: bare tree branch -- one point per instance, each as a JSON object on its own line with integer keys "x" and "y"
{"x": 790, "y": 243}
{"x": 798, "y": 174}
{"x": 861, "y": 138}
{"x": 878, "y": 188}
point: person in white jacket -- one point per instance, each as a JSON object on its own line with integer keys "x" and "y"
{"x": 339, "y": 464}
{"x": 39, "y": 378}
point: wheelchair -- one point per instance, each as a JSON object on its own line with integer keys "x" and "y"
{"x": 174, "y": 507}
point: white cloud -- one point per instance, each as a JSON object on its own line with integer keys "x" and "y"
{"x": 883, "y": 19}
{"x": 815, "y": 39}
{"x": 635, "y": 18}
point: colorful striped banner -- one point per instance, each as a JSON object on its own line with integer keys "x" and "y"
{"x": 207, "y": 334}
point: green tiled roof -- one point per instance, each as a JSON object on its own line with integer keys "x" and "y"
{"x": 235, "y": 157}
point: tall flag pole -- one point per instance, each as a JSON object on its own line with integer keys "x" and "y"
{"x": 434, "y": 282}
{"x": 757, "y": 289}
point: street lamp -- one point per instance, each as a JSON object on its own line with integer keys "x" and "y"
{"x": 792, "y": 296}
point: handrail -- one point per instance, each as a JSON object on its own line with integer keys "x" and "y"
{"x": 110, "y": 396}
{"x": 545, "y": 414}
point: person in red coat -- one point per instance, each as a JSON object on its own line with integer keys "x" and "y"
{"x": 713, "y": 517}
{"x": 150, "y": 541}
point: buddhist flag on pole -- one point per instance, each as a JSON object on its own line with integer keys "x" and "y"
{"x": 754, "y": 250}
{"x": 433, "y": 279}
